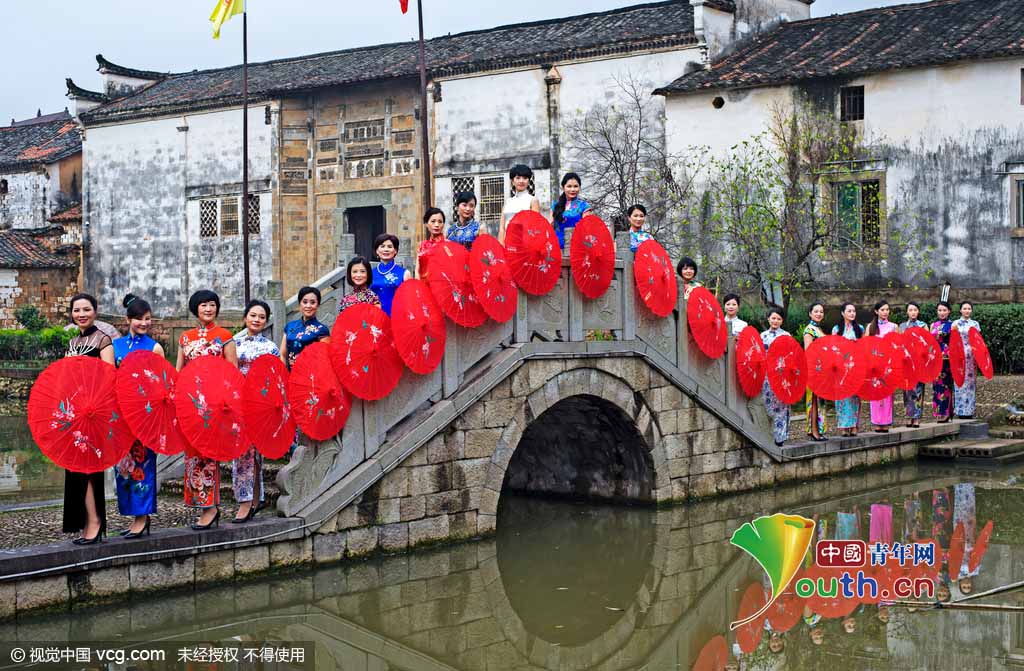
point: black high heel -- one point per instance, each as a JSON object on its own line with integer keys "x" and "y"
{"x": 215, "y": 522}
{"x": 143, "y": 532}
{"x": 253, "y": 509}
{"x": 98, "y": 538}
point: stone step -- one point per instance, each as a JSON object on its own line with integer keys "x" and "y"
{"x": 988, "y": 448}
{"x": 974, "y": 430}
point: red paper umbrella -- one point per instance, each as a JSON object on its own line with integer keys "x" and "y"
{"x": 74, "y": 418}
{"x": 713, "y": 656}
{"x": 145, "y": 394}
{"x": 927, "y": 353}
{"x": 908, "y": 376}
{"x": 881, "y": 368}
{"x": 656, "y": 280}
{"x": 452, "y": 287}
{"x": 492, "y": 279}
{"x": 364, "y": 353}
{"x": 834, "y": 369}
{"x": 787, "y": 369}
{"x": 592, "y": 255}
{"x": 981, "y": 354}
{"x": 531, "y": 247}
{"x": 785, "y": 612}
{"x": 955, "y": 557}
{"x": 834, "y": 606}
{"x": 418, "y": 327}
{"x": 748, "y": 636}
{"x": 319, "y": 402}
{"x": 750, "y": 361}
{"x": 957, "y": 357}
{"x": 208, "y": 399}
{"x": 707, "y": 323}
{"x": 979, "y": 548}
{"x": 268, "y": 414}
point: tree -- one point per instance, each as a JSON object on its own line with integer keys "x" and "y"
{"x": 30, "y": 318}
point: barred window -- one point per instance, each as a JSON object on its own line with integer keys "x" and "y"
{"x": 364, "y": 130}
{"x": 229, "y": 216}
{"x": 858, "y": 214}
{"x": 851, "y": 103}
{"x": 491, "y": 201}
{"x": 254, "y": 214}
{"x": 208, "y": 218}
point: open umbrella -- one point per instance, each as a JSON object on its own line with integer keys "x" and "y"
{"x": 74, "y": 418}
{"x": 833, "y": 369}
{"x": 417, "y": 324}
{"x": 707, "y": 322}
{"x": 363, "y": 351}
{"x": 750, "y": 361}
{"x": 881, "y": 368}
{"x": 531, "y": 247}
{"x": 957, "y": 357}
{"x": 491, "y": 278}
{"x": 268, "y": 414}
{"x": 908, "y": 376}
{"x": 748, "y": 635}
{"x": 452, "y": 287}
{"x": 655, "y": 279}
{"x": 981, "y": 353}
{"x": 208, "y": 399}
{"x": 980, "y": 546}
{"x": 319, "y": 403}
{"x": 713, "y": 656}
{"x": 787, "y": 369}
{"x": 145, "y": 394}
{"x": 592, "y": 256}
{"x": 927, "y": 353}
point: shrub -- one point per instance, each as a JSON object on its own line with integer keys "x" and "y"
{"x": 31, "y": 318}
{"x": 22, "y": 344}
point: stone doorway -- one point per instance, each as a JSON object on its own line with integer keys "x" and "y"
{"x": 366, "y": 223}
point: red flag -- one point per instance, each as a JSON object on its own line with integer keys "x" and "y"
{"x": 405, "y": 5}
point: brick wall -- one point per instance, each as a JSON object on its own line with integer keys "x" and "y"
{"x": 49, "y": 289}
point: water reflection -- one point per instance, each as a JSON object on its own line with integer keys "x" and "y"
{"x": 25, "y": 474}
{"x": 579, "y": 587}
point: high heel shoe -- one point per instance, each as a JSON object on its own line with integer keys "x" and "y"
{"x": 253, "y": 509}
{"x": 215, "y": 522}
{"x": 98, "y": 538}
{"x": 143, "y": 532}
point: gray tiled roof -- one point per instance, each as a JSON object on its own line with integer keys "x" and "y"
{"x": 24, "y": 146}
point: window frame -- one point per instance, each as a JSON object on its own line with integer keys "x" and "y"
{"x": 1017, "y": 205}
{"x": 845, "y": 114}
{"x": 492, "y": 221}
{"x": 831, "y": 183}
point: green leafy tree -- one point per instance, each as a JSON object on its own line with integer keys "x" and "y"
{"x": 31, "y": 318}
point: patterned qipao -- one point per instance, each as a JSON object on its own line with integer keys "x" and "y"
{"x": 202, "y": 475}
{"x": 387, "y": 277}
{"x": 574, "y": 210}
{"x": 423, "y": 253}
{"x": 244, "y": 469}
{"x": 368, "y": 296}
{"x": 814, "y": 330}
{"x": 778, "y": 411}
{"x": 964, "y": 395}
{"x": 942, "y": 388}
{"x": 300, "y": 333}
{"x": 464, "y": 234}
{"x": 912, "y": 397}
{"x": 135, "y": 474}
{"x": 848, "y": 409}
{"x": 637, "y": 238}
{"x": 881, "y": 411}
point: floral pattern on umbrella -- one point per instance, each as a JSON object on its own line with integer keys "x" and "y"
{"x": 145, "y": 392}
{"x": 592, "y": 257}
{"x": 927, "y": 353}
{"x": 655, "y": 278}
{"x": 492, "y": 279}
{"x": 533, "y": 253}
{"x": 210, "y": 409}
{"x": 787, "y": 369}
{"x": 320, "y": 404}
{"x": 452, "y": 287}
{"x": 268, "y": 412}
{"x": 418, "y": 326}
{"x": 751, "y": 360}
{"x": 707, "y": 322}
{"x": 834, "y": 369}
{"x": 363, "y": 352}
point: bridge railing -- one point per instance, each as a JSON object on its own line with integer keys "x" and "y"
{"x": 551, "y": 321}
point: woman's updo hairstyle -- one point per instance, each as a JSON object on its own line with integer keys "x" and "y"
{"x": 135, "y": 307}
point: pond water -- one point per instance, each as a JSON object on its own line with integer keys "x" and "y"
{"x": 25, "y": 474}
{"x": 574, "y": 586}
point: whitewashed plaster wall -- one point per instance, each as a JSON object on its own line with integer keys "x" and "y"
{"x": 26, "y": 204}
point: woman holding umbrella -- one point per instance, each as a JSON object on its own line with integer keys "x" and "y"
{"x": 912, "y": 397}
{"x": 687, "y": 269}
{"x": 778, "y": 411}
{"x": 637, "y": 215}
{"x": 135, "y": 475}
{"x": 964, "y": 395}
{"x": 84, "y": 500}
{"x": 942, "y": 388}
{"x": 305, "y": 330}
{"x": 815, "y": 405}
{"x": 247, "y": 470}
{"x": 388, "y": 275}
{"x": 521, "y": 199}
{"x": 569, "y": 209}
{"x": 465, "y": 228}
{"x": 848, "y": 409}
{"x": 881, "y": 411}
{"x": 202, "y": 475}
{"x": 358, "y": 277}
{"x": 433, "y": 219}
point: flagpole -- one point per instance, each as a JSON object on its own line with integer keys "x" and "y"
{"x": 245, "y": 155}
{"x": 425, "y": 139}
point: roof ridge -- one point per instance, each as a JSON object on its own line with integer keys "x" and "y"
{"x": 912, "y": 6}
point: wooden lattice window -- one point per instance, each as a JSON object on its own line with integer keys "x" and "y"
{"x": 254, "y": 214}
{"x": 490, "y": 201}
{"x": 229, "y": 216}
{"x": 208, "y": 218}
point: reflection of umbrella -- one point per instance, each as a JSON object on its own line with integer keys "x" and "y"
{"x": 955, "y": 558}
{"x": 881, "y": 368}
{"x": 750, "y": 361}
{"x": 655, "y": 279}
{"x": 318, "y": 401}
{"x": 363, "y": 351}
{"x": 833, "y": 371}
{"x": 927, "y": 353}
{"x": 785, "y": 612}
{"x": 907, "y": 378}
{"x": 451, "y": 285}
{"x": 834, "y": 606}
{"x": 532, "y": 250}
{"x": 268, "y": 414}
{"x": 592, "y": 255}
{"x": 145, "y": 394}
{"x": 707, "y": 323}
{"x": 418, "y": 327}
{"x": 981, "y": 354}
{"x": 787, "y": 369}
{"x": 713, "y": 656}
{"x": 957, "y": 357}
{"x": 209, "y": 404}
{"x": 74, "y": 418}
{"x": 492, "y": 279}
{"x": 979, "y": 548}
{"x": 749, "y": 635}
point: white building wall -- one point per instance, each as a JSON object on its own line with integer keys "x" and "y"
{"x": 26, "y": 204}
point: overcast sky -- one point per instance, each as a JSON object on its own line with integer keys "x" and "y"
{"x": 44, "y": 41}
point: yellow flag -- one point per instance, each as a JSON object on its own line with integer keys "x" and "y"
{"x": 224, "y": 10}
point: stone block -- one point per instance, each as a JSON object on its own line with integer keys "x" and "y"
{"x": 362, "y": 542}
{"x": 500, "y": 655}
{"x": 389, "y": 511}
{"x": 443, "y": 503}
{"x": 680, "y": 489}
{"x": 708, "y": 463}
{"x": 690, "y": 419}
{"x": 472, "y": 417}
{"x": 463, "y": 525}
{"x": 362, "y": 576}
{"x": 455, "y": 444}
{"x": 442, "y": 448}
{"x": 704, "y": 485}
{"x": 679, "y": 468}
{"x": 428, "y": 530}
{"x": 498, "y": 412}
{"x": 291, "y": 553}
{"x": 542, "y": 370}
{"x": 480, "y": 443}
{"x": 486, "y": 524}
{"x": 96, "y": 584}
{"x": 215, "y": 566}
{"x": 396, "y": 483}
{"x": 447, "y": 641}
{"x": 328, "y": 547}
{"x": 8, "y": 603}
{"x": 426, "y": 479}
{"x": 254, "y": 559}
{"x": 162, "y": 574}
{"x": 346, "y": 519}
{"x": 482, "y": 633}
{"x": 677, "y": 446}
{"x": 488, "y": 501}
{"x": 412, "y": 508}
{"x": 472, "y": 472}
{"x": 423, "y": 565}
{"x": 394, "y": 537}
{"x": 502, "y": 390}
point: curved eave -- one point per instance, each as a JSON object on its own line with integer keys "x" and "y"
{"x": 106, "y": 67}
